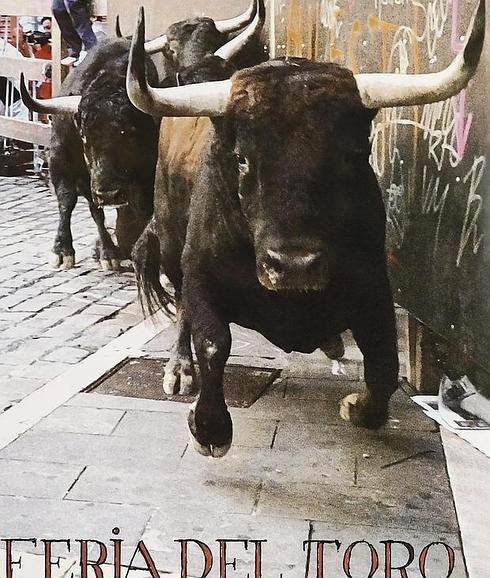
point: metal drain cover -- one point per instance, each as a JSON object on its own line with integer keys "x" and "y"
{"x": 142, "y": 378}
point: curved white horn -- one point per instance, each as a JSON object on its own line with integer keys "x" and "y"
{"x": 385, "y": 90}
{"x": 152, "y": 46}
{"x": 206, "y": 99}
{"x": 58, "y": 105}
{"x": 234, "y": 24}
{"x": 233, "y": 47}
{"x": 156, "y": 45}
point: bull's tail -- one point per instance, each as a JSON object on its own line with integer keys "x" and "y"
{"x": 146, "y": 261}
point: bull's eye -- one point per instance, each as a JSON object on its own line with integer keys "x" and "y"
{"x": 243, "y": 164}
{"x": 123, "y": 132}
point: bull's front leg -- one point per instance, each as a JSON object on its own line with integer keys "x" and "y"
{"x": 375, "y": 333}
{"x": 209, "y": 420}
{"x": 106, "y": 252}
{"x": 63, "y": 254}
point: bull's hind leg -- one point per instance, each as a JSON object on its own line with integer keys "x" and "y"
{"x": 106, "y": 252}
{"x": 209, "y": 420}
{"x": 333, "y": 348}
{"x": 179, "y": 371}
{"x": 375, "y": 334}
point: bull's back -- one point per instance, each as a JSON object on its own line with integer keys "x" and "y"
{"x": 181, "y": 144}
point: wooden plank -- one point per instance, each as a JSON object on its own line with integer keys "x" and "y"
{"x": 24, "y": 130}
{"x": 33, "y": 68}
{"x": 56, "y": 73}
{"x": 41, "y": 7}
{"x": 100, "y": 8}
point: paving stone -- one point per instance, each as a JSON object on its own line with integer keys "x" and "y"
{"x": 30, "y": 351}
{"x": 72, "y": 326}
{"x": 81, "y": 420}
{"x": 163, "y": 426}
{"x": 115, "y": 485}
{"x": 53, "y": 518}
{"x": 102, "y": 451}
{"x": 70, "y": 355}
{"x": 310, "y": 466}
{"x": 43, "y": 370}
{"x": 37, "y": 303}
{"x": 11, "y": 301}
{"x": 36, "y": 479}
{"x": 17, "y": 388}
{"x": 126, "y": 403}
{"x": 72, "y": 286}
{"x": 102, "y": 310}
{"x": 364, "y": 506}
{"x": 282, "y": 554}
{"x": 62, "y": 310}
{"x": 32, "y": 327}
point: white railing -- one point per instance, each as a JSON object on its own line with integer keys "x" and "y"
{"x": 11, "y": 67}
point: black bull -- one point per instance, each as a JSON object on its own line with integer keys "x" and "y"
{"x": 320, "y": 227}
{"x": 269, "y": 215}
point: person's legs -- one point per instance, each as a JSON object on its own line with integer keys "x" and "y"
{"x": 68, "y": 32}
{"x": 81, "y": 21}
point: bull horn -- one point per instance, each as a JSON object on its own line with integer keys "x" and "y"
{"x": 58, "y": 105}
{"x": 234, "y": 46}
{"x": 152, "y": 46}
{"x": 206, "y": 99}
{"x": 156, "y": 45}
{"x": 234, "y": 24}
{"x": 118, "y": 31}
{"x": 385, "y": 90}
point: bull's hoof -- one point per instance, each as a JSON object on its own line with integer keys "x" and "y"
{"x": 61, "y": 261}
{"x": 178, "y": 376}
{"x": 210, "y": 450}
{"x": 362, "y": 411}
{"x": 210, "y": 435}
{"x": 110, "y": 264}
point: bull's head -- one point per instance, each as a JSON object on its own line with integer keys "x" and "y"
{"x": 189, "y": 39}
{"x": 293, "y": 144}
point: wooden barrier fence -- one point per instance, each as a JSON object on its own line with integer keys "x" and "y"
{"x": 33, "y": 68}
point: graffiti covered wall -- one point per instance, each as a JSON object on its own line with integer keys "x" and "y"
{"x": 431, "y": 161}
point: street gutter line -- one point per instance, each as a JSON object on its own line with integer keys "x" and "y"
{"x": 58, "y": 391}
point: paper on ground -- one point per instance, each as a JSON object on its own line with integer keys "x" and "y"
{"x": 479, "y": 439}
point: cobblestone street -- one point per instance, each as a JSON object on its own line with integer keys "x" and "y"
{"x": 49, "y": 319}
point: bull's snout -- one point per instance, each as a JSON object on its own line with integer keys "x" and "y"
{"x": 106, "y": 198}
{"x": 295, "y": 269}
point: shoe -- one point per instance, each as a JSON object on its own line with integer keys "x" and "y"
{"x": 80, "y": 59}
{"x": 69, "y": 60}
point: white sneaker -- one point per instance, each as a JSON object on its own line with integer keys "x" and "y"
{"x": 80, "y": 59}
{"x": 69, "y": 60}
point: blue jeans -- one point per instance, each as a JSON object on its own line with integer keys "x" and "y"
{"x": 74, "y": 22}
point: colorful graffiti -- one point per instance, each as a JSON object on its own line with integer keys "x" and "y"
{"x": 426, "y": 158}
